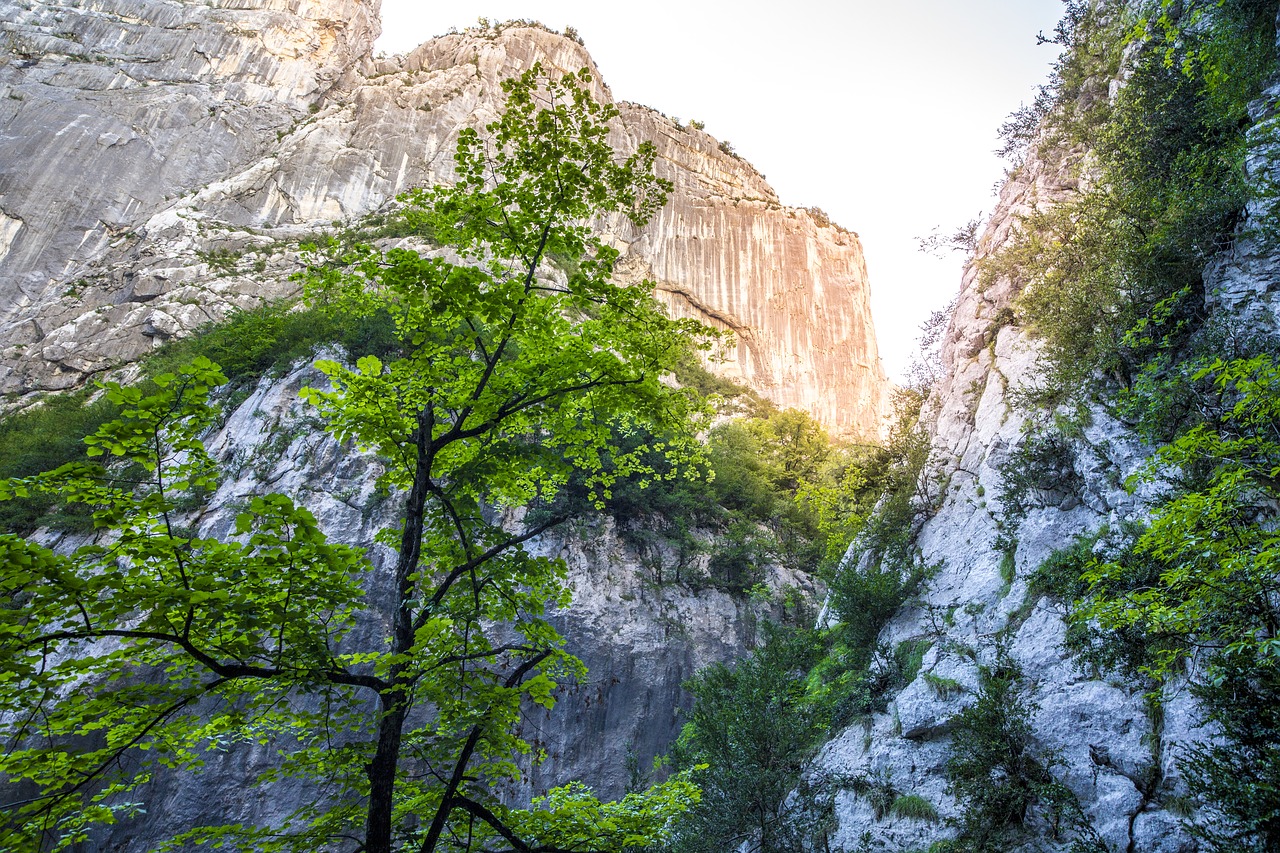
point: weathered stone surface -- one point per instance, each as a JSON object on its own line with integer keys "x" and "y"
{"x": 1095, "y": 725}
{"x": 112, "y": 108}
{"x": 217, "y": 135}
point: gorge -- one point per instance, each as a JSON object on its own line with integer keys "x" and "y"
{"x": 162, "y": 161}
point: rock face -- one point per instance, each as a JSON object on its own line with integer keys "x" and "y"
{"x": 160, "y": 159}
{"x": 112, "y": 108}
{"x": 1118, "y": 760}
{"x": 970, "y": 609}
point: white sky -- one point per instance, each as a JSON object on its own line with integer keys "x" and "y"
{"x": 883, "y": 113}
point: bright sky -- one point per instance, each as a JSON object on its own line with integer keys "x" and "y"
{"x": 883, "y": 113}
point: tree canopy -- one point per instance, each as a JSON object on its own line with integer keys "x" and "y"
{"x": 394, "y": 686}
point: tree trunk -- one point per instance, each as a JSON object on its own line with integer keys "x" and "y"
{"x": 394, "y": 703}
{"x": 382, "y": 774}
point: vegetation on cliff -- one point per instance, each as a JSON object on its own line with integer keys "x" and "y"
{"x": 1113, "y": 283}
{"x": 394, "y": 690}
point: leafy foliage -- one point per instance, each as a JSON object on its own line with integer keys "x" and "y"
{"x": 753, "y": 730}
{"x": 1199, "y": 585}
{"x": 489, "y": 390}
{"x": 1001, "y": 779}
{"x": 243, "y": 628}
{"x": 1113, "y": 277}
{"x": 246, "y": 345}
{"x": 272, "y": 338}
{"x": 1039, "y": 472}
{"x": 777, "y": 488}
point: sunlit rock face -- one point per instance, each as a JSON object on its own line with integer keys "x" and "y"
{"x": 112, "y": 108}
{"x": 160, "y": 160}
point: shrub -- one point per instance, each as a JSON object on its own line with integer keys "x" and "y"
{"x": 866, "y": 599}
{"x": 248, "y": 344}
{"x": 1040, "y": 471}
{"x": 1060, "y": 576}
{"x": 271, "y": 338}
{"x": 909, "y": 657}
{"x": 1168, "y": 192}
{"x": 999, "y": 777}
{"x": 755, "y": 728}
{"x": 42, "y": 438}
{"x": 942, "y": 687}
{"x": 914, "y": 807}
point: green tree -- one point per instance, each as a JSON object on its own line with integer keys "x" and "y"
{"x": 157, "y": 643}
{"x": 1199, "y": 587}
{"x": 1002, "y": 780}
{"x": 755, "y": 730}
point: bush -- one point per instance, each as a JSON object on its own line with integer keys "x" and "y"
{"x": 755, "y": 728}
{"x": 42, "y": 438}
{"x": 999, "y": 777}
{"x": 272, "y": 338}
{"x": 1039, "y": 472}
{"x": 1168, "y": 192}
{"x": 738, "y": 560}
{"x": 864, "y": 600}
{"x": 914, "y": 807}
{"x": 1060, "y": 576}
{"x": 1238, "y": 775}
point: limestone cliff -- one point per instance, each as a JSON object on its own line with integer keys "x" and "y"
{"x": 158, "y": 160}
{"x": 970, "y": 602}
{"x": 1122, "y": 762}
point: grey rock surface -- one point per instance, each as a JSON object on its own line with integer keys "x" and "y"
{"x": 159, "y": 164}
{"x": 1097, "y": 726}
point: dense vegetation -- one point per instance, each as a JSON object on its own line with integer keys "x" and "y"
{"x": 756, "y": 725}
{"x": 392, "y": 695}
{"x": 1113, "y": 284}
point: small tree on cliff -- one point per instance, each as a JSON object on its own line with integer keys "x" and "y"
{"x": 397, "y": 687}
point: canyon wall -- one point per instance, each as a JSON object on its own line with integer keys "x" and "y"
{"x": 161, "y": 160}
{"x": 1121, "y": 761}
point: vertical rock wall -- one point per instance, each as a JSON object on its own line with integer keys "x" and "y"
{"x": 158, "y": 163}
{"x": 1120, "y": 761}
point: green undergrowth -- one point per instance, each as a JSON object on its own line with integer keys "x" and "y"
{"x": 1004, "y": 783}
{"x": 1111, "y": 278}
{"x": 1111, "y": 281}
{"x": 803, "y": 685}
{"x": 248, "y": 345}
{"x": 776, "y": 489}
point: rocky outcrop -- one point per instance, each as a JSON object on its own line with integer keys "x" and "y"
{"x": 1119, "y": 760}
{"x": 113, "y": 108}
{"x": 159, "y": 165}
{"x": 972, "y": 609}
